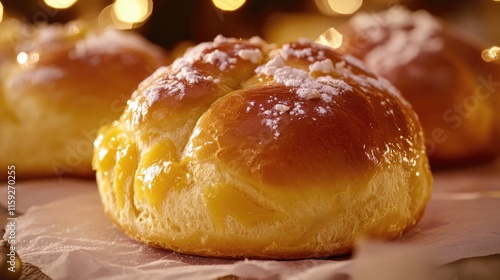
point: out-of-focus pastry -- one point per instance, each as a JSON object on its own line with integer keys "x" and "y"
{"x": 245, "y": 149}
{"x": 60, "y": 83}
{"x": 440, "y": 72}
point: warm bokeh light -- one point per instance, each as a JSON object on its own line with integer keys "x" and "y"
{"x": 133, "y": 11}
{"x": 107, "y": 17}
{"x": 228, "y": 5}
{"x": 1, "y": 11}
{"x": 60, "y": 4}
{"x": 331, "y": 38}
{"x": 335, "y": 7}
{"x": 126, "y": 14}
{"x": 22, "y": 58}
{"x": 491, "y": 54}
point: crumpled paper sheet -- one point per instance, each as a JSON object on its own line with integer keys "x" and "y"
{"x": 70, "y": 238}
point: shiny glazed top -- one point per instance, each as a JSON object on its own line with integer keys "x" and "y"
{"x": 275, "y": 117}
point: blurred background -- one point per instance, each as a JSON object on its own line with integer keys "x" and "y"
{"x": 169, "y": 23}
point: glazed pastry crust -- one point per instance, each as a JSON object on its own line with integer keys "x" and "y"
{"x": 244, "y": 149}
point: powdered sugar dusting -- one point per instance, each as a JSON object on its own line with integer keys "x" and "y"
{"x": 250, "y": 105}
{"x": 306, "y": 86}
{"x": 257, "y": 40}
{"x": 281, "y": 108}
{"x": 297, "y": 110}
{"x": 253, "y": 55}
{"x": 308, "y": 93}
{"x": 220, "y": 39}
{"x": 161, "y": 71}
{"x": 324, "y": 66}
{"x": 273, "y": 115}
{"x": 220, "y": 58}
{"x": 322, "y": 88}
{"x": 189, "y": 75}
{"x": 287, "y": 51}
{"x": 367, "y": 83}
{"x": 321, "y": 110}
{"x": 354, "y": 61}
{"x": 152, "y": 93}
{"x": 277, "y": 115}
{"x": 314, "y": 81}
{"x": 185, "y": 71}
{"x": 174, "y": 83}
{"x": 271, "y": 66}
{"x": 402, "y": 35}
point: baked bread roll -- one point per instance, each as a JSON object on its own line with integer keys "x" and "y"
{"x": 63, "y": 82}
{"x": 440, "y": 72}
{"x": 245, "y": 149}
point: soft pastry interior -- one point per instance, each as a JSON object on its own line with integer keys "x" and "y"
{"x": 59, "y": 84}
{"x": 440, "y": 71}
{"x": 242, "y": 148}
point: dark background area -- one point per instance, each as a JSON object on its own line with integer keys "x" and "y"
{"x": 172, "y": 22}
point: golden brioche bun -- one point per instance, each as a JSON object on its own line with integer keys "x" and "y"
{"x": 440, "y": 72}
{"x": 245, "y": 149}
{"x": 63, "y": 83}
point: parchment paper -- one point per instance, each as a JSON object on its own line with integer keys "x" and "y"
{"x": 70, "y": 238}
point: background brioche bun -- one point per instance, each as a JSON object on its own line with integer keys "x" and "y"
{"x": 60, "y": 83}
{"x": 440, "y": 71}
